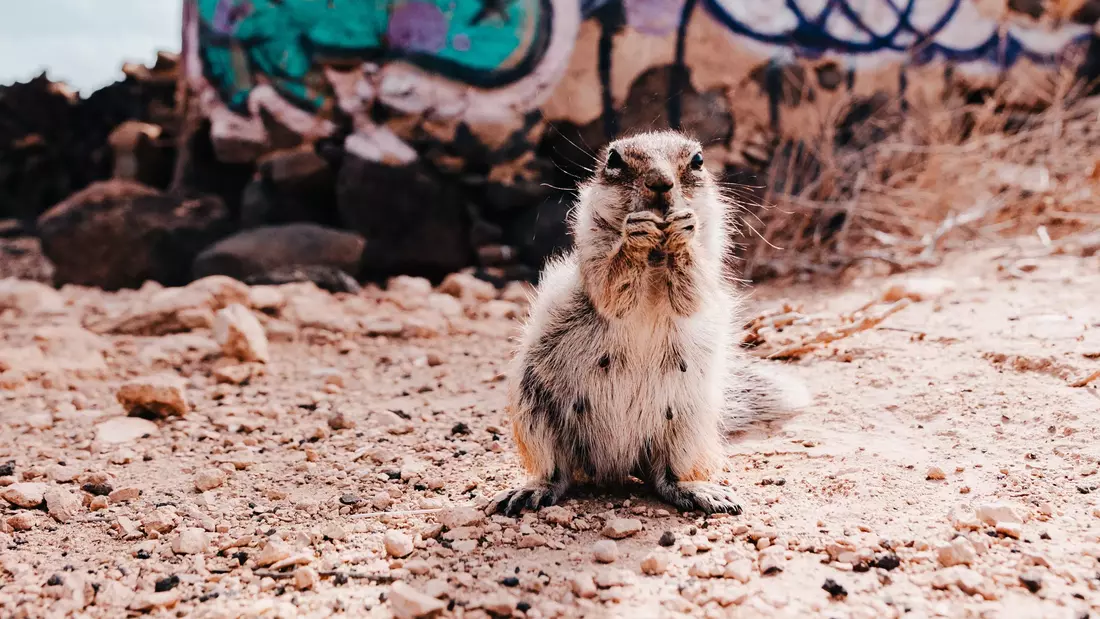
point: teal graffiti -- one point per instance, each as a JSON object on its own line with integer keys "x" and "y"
{"x": 485, "y": 43}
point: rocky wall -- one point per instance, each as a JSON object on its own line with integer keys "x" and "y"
{"x": 459, "y": 120}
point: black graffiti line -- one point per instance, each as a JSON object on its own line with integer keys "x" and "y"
{"x": 678, "y": 80}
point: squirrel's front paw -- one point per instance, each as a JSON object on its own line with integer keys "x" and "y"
{"x": 681, "y": 226}
{"x": 533, "y": 497}
{"x": 642, "y": 232}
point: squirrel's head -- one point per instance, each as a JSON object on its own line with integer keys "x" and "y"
{"x": 660, "y": 171}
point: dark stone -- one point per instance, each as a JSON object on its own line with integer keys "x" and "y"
{"x": 1032, "y": 582}
{"x": 326, "y": 278}
{"x": 7, "y": 469}
{"x": 541, "y": 232}
{"x": 1088, "y": 13}
{"x": 350, "y": 499}
{"x": 1031, "y": 8}
{"x": 484, "y": 233}
{"x": 829, "y": 76}
{"x": 54, "y": 580}
{"x": 53, "y": 143}
{"x": 293, "y": 186}
{"x": 97, "y": 489}
{"x": 205, "y": 174}
{"x": 458, "y": 428}
{"x": 268, "y": 250}
{"x": 834, "y": 588}
{"x": 1089, "y": 69}
{"x": 572, "y": 149}
{"x": 887, "y": 562}
{"x": 510, "y": 581}
{"x": 705, "y": 116}
{"x": 668, "y": 538}
{"x": 415, "y": 223}
{"x": 119, "y": 234}
{"x": 167, "y": 583}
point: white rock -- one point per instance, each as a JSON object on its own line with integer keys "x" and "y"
{"x": 959, "y": 552}
{"x": 397, "y": 544}
{"x": 118, "y": 430}
{"x": 607, "y": 578}
{"x": 24, "y": 494}
{"x": 29, "y": 297}
{"x": 306, "y": 578}
{"x": 190, "y": 541}
{"x": 739, "y": 570}
{"x": 772, "y": 560}
{"x": 993, "y": 513}
{"x": 265, "y": 298}
{"x": 163, "y": 395}
{"x": 967, "y": 580}
{"x": 618, "y": 528}
{"x": 583, "y": 585}
{"x": 273, "y": 552}
{"x": 408, "y": 603}
{"x": 461, "y": 517}
{"x": 935, "y": 473}
{"x": 467, "y": 287}
{"x": 334, "y": 531}
{"x": 605, "y": 551}
{"x": 655, "y": 563}
{"x": 160, "y": 520}
{"x": 556, "y": 514}
{"x": 918, "y": 289}
{"x": 1010, "y": 529}
{"x": 208, "y": 479}
{"x": 145, "y": 601}
{"x": 240, "y": 334}
{"x": 62, "y": 504}
{"x": 534, "y": 540}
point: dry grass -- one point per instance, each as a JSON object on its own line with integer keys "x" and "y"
{"x": 905, "y": 184}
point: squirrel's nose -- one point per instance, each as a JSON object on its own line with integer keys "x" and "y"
{"x": 659, "y": 183}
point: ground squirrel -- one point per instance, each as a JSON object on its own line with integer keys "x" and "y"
{"x": 627, "y": 365}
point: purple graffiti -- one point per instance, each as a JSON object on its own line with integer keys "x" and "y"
{"x": 417, "y": 27}
{"x": 229, "y": 13}
{"x": 654, "y": 17}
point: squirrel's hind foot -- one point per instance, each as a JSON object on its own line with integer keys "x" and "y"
{"x": 699, "y": 496}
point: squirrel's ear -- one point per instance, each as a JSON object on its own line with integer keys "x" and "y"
{"x": 614, "y": 160}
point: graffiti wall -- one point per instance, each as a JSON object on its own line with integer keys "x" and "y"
{"x": 502, "y": 96}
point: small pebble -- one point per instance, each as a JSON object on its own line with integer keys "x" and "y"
{"x": 619, "y": 528}
{"x": 605, "y": 551}
{"x": 208, "y": 479}
{"x": 935, "y": 473}
{"x": 655, "y": 563}
{"x": 834, "y": 589}
{"x": 397, "y": 544}
{"x": 668, "y": 539}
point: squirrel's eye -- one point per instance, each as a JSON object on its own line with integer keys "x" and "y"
{"x": 614, "y": 160}
{"x": 697, "y": 161}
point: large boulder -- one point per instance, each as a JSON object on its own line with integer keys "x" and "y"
{"x": 415, "y": 222}
{"x": 120, "y": 234}
{"x": 253, "y": 253}
{"x": 292, "y": 186}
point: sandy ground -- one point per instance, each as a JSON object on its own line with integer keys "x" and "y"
{"x": 946, "y": 467}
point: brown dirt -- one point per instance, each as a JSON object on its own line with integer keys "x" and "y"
{"x": 974, "y": 383}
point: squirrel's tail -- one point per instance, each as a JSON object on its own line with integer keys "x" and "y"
{"x": 763, "y": 391}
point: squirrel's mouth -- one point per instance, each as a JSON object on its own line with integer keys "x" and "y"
{"x": 659, "y": 204}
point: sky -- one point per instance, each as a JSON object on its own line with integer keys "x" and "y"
{"x": 84, "y": 42}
